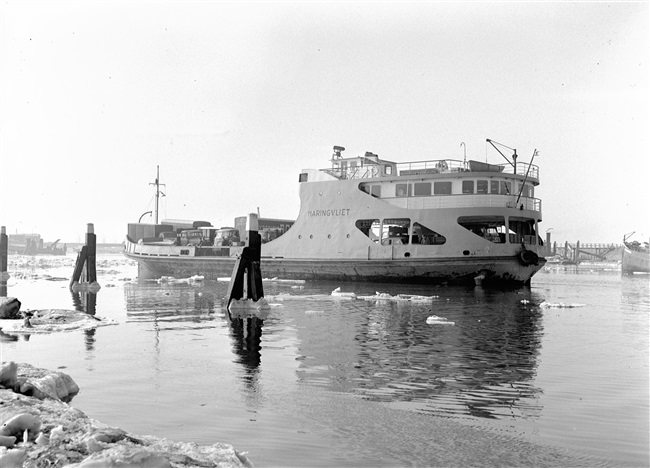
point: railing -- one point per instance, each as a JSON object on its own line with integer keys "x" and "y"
{"x": 465, "y": 201}
{"x": 438, "y": 166}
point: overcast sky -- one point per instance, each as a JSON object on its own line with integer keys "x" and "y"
{"x": 232, "y": 100}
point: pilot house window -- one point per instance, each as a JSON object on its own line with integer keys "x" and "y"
{"x": 422, "y": 189}
{"x": 468, "y": 186}
{"x": 442, "y": 188}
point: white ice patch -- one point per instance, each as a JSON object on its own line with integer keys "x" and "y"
{"x": 190, "y": 280}
{"x": 343, "y": 295}
{"x": 435, "y": 320}
{"x": 560, "y": 305}
{"x": 55, "y": 320}
{"x": 399, "y": 297}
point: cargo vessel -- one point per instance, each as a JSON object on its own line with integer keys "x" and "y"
{"x": 365, "y": 218}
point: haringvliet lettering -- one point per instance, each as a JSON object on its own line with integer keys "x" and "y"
{"x": 337, "y": 212}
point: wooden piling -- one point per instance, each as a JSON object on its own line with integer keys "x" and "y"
{"x": 4, "y": 248}
{"x": 246, "y": 279}
{"x": 85, "y": 270}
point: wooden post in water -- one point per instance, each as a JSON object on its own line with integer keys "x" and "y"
{"x": 576, "y": 253}
{"x": 246, "y": 279}
{"x": 85, "y": 270}
{"x": 4, "y": 248}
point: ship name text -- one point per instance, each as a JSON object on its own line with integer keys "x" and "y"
{"x": 326, "y": 213}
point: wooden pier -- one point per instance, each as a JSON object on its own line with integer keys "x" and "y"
{"x": 580, "y": 252}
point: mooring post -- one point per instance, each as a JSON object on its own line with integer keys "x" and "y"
{"x": 4, "y": 248}
{"x": 577, "y": 252}
{"x": 91, "y": 261}
{"x": 246, "y": 279}
{"x": 85, "y": 269}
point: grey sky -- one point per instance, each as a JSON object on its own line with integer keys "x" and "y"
{"x": 232, "y": 100}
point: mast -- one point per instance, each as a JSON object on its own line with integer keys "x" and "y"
{"x": 158, "y": 192}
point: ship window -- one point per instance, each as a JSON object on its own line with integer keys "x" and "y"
{"x": 494, "y": 186}
{"x": 302, "y": 177}
{"x": 468, "y": 186}
{"x": 395, "y": 231}
{"x": 402, "y": 190}
{"x": 364, "y": 188}
{"x": 369, "y": 227}
{"x": 388, "y": 169}
{"x": 492, "y": 228}
{"x": 522, "y": 230}
{"x": 422, "y": 189}
{"x": 375, "y": 191}
{"x": 481, "y": 186}
{"x": 442, "y": 188}
{"x": 424, "y": 235}
{"x": 506, "y": 188}
{"x": 527, "y": 190}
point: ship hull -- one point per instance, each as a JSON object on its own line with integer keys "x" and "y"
{"x": 488, "y": 270}
{"x": 635, "y": 261}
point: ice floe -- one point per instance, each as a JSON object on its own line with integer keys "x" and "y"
{"x": 171, "y": 279}
{"x": 560, "y": 305}
{"x": 399, "y": 297}
{"x": 435, "y": 320}
{"x": 338, "y": 294}
{"x": 54, "y": 320}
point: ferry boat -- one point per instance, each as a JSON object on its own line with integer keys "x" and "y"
{"x": 366, "y": 218}
{"x": 636, "y": 256}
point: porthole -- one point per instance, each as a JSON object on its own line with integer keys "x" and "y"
{"x": 300, "y": 237}
{"x": 311, "y": 236}
{"x": 348, "y": 236}
{"x": 329, "y": 236}
{"x": 407, "y": 254}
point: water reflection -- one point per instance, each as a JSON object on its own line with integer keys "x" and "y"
{"x": 86, "y": 301}
{"x": 246, "y": 330}
{"x": 483, "y": 366}
{"x": 174, "y": 305}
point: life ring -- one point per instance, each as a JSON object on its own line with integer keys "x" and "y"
{"x": 528, "y": 257}
{"x": 442, "y": 166}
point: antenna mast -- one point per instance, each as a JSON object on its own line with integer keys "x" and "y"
{"x": 158, "y": 192}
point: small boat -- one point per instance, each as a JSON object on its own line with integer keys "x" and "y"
{"x": 366, "y": 218}
{"x": 636, "y": 256}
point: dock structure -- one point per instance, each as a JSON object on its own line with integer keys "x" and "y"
{"x": 578, "y": 252}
